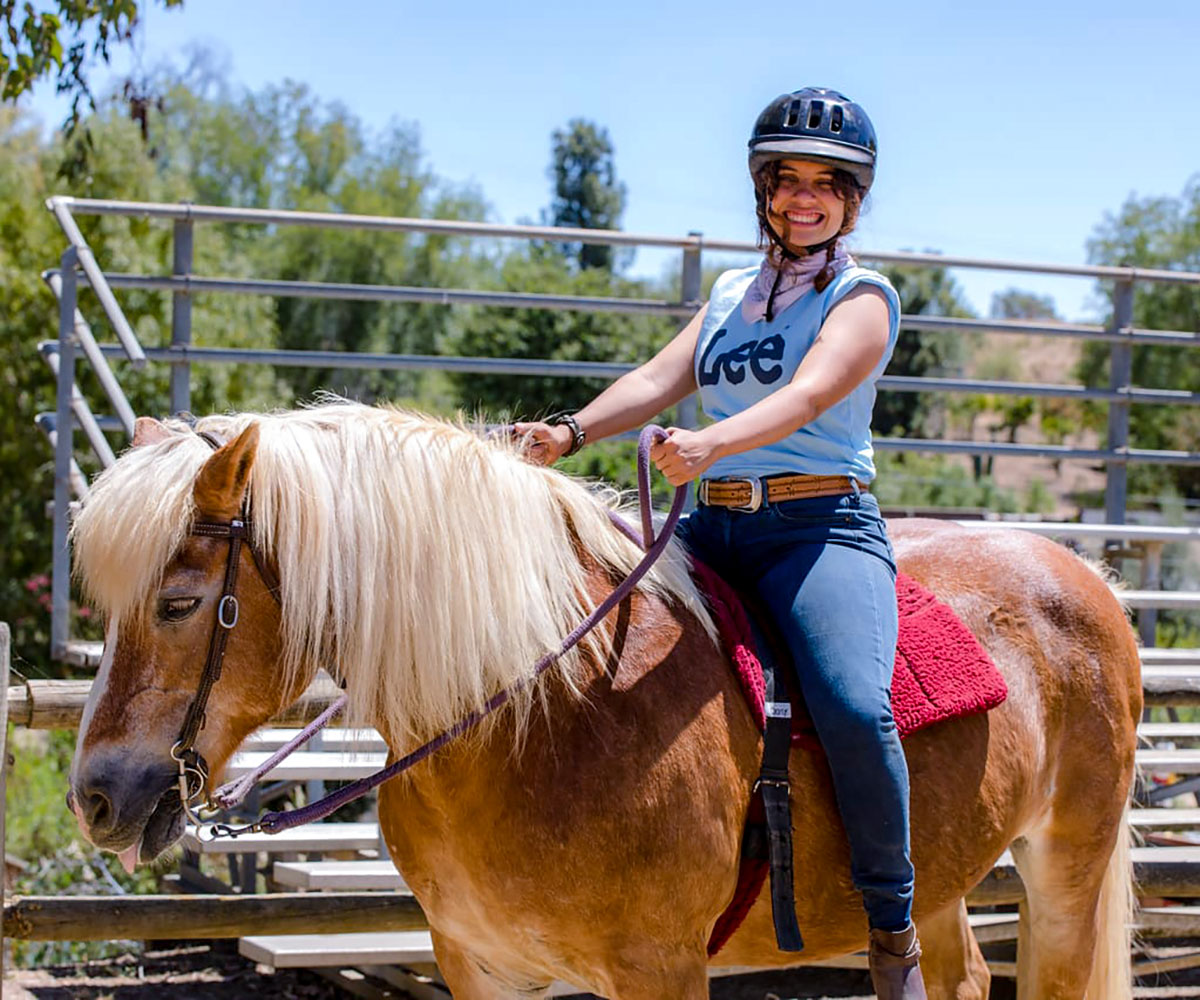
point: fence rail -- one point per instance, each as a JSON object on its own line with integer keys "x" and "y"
{"x": 79, "y": 266}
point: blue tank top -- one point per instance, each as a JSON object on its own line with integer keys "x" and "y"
{"x": 738, "y": 363}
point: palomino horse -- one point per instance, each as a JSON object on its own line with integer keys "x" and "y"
{"x": 589, "y": 831}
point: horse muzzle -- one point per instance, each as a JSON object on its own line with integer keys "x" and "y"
{"x": 127, "y": 805}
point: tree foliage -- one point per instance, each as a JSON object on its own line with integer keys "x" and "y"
{"x": 924, "y": 291}
{"x": 1154, "y": 232}
{"x": 561, "y": 335}
{"x": 280, "y": 147}
{"x": 1015, "y": 303}
{"x": 284, "y": 148}
{"x": 43, "y": 40}
{"x": 587, "y": 194}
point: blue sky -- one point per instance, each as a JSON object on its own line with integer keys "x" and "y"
{"x": 1006, "y": 130}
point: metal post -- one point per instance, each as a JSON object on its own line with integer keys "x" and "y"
{"x": 1121, "y": 364}
{"x": 1151, "y": 579}
{"x": 181, "y": 318}
{"x": 60, "y": 582}
{"x": 689, "y": 294}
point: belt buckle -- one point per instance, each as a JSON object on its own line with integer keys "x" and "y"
{"x": 756, "y": 492}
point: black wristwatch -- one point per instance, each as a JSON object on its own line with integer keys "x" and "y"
{"x": 577, "y": 433}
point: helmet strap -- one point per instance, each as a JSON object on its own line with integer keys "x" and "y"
{"x": 770, "y": 314}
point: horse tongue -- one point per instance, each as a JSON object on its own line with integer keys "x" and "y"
{"x": 129, "y": 856}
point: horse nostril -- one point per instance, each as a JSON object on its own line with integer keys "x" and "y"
{"x": 97, "y": 810}
{"x": 70, "y": 802}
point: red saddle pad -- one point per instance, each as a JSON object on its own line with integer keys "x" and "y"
{"x": 941, "y": 669}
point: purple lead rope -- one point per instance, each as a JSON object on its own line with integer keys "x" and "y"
{"x": 232, "y": 793}
{"x": 277, "y": 822}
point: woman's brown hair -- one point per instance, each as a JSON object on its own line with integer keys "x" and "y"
{"x": 766, "y": 183}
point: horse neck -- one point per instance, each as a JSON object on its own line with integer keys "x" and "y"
{"x": 501, "y": 737}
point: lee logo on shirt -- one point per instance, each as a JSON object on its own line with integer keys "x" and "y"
{"x": 732, "y": 363}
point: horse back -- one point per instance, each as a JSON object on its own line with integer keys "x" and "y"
{"x": 1049, "y": 618}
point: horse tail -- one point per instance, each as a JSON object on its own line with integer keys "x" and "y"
{"x": 1112, "y": 963}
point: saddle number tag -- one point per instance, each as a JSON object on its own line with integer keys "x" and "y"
{"x": 779, "y": 709}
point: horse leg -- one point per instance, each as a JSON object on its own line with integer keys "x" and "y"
{"x": 470, "y": 979}
{"x": 951, "y": 963}
{"x": 1074, "y": 940}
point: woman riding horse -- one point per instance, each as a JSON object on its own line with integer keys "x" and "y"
{"x": 786, "y": 355}
{"x": 591, "y": 831}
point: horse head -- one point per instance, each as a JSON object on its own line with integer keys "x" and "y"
{"x": 124, "y": 783}
{"x": 433, "y": 566}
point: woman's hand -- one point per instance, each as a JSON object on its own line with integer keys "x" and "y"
{"x": 684, "y": 455}
{"x": 544, "y": 444}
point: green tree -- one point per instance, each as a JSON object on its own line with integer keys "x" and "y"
{"x": 562, "y": 335}
{"x": 282, "y": 147}
{"x": 44, "y": 40}
{"x": 587, "y": 194}
{"x": 1154, "y": 232}
{"x": 30, "y": 242}
{"x": 279, "y": 147}
{"x": 1016, "y": 412}
{"x": 924, "y": 291}
{"x": 1015, "y": 303}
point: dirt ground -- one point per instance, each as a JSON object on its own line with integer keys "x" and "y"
{"x": 201, "y": 972}
{"x": 190, "y": 973}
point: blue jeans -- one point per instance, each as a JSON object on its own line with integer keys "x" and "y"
{"x": 824, "y": 569}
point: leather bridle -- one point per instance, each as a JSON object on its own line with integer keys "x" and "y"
{"x": 193, "y": 768}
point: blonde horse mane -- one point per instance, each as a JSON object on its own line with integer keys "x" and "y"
{"x": 433, "y": 566}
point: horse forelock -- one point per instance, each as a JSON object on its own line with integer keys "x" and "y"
{"x": 136, "y": 516}
{"x": 430, "y": 566}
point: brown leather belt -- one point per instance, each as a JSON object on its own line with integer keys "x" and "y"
{"x": 747, "y": 493}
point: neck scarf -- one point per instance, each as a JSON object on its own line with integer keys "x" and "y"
{"x": 797, "y": 279}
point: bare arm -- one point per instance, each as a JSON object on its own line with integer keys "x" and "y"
{"x": 848, "y": 347}
{"x": 630, "y": 401}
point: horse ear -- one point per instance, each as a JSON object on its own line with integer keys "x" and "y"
{"x": 147, "y": 430}
{"x": 222, "y": 482}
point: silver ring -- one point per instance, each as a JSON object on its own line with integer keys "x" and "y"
{"x": 227, "y": 602}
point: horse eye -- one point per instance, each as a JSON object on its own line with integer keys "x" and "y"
{"x": 176, "y": 609}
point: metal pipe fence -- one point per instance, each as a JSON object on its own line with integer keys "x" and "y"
{"x": 79, "y": 266}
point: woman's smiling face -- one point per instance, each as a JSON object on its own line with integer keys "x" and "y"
{"x": 805, "y": 208}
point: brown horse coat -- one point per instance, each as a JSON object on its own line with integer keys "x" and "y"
{"x": 600, "y": 847}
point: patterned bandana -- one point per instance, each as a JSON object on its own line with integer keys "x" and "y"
{"x": 797, "y": 280}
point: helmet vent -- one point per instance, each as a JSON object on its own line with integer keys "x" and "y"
{"x": 815, "y": 112}
{"x": 793, "y": 115}
{"x": 835, "y": 122}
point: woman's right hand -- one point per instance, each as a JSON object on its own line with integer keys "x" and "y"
{"x": 543, "y": 443}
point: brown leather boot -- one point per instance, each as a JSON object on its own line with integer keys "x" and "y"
{"x": 894, "y": 959}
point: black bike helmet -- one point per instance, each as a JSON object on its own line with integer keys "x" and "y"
{"x": 816, "y": 124}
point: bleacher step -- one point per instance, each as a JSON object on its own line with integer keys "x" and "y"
{"x": 314, "y": 837}
{"x": 297, "y": 951}
{"x": 1186, "y": 761}
{"x": 309, "y": 765}
{"x": 1164, "y": 818}
{"x": 346, "y": 875}
{"x": 339, "y": 740}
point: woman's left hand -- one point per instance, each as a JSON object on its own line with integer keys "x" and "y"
{"x": 683, "y": 455}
